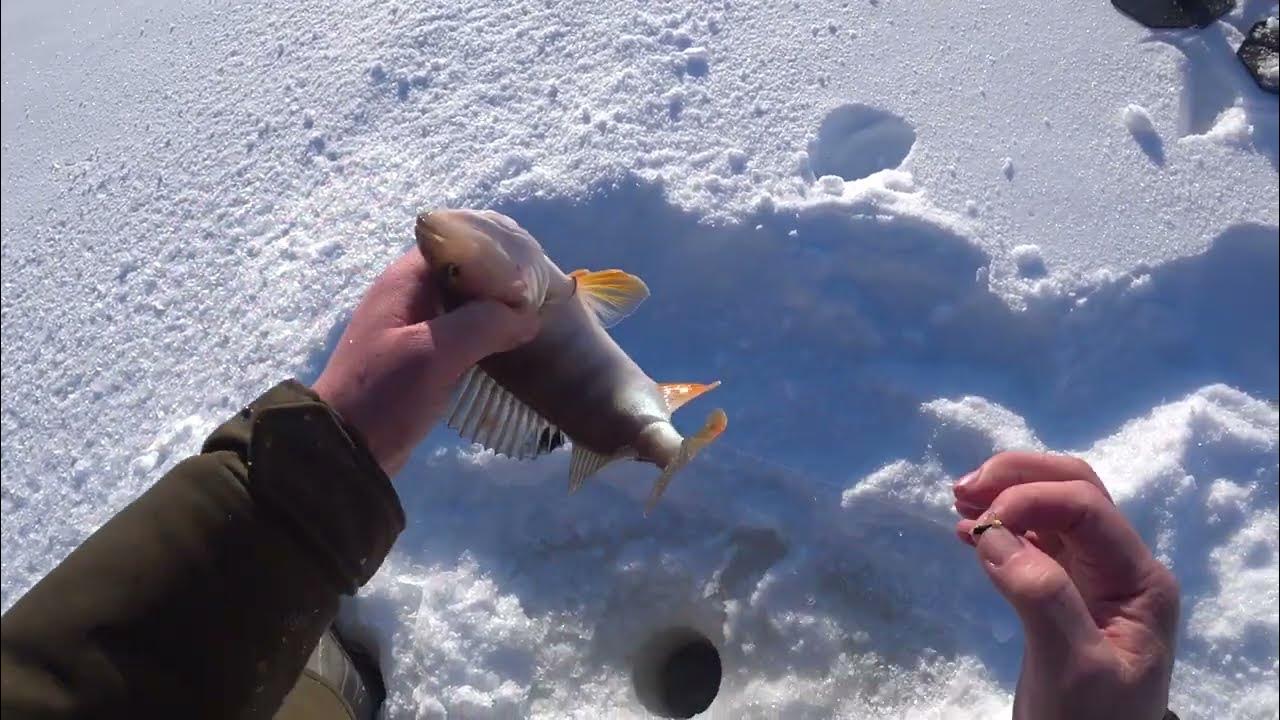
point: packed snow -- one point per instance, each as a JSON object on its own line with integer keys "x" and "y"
{"x": 903, "y": 239}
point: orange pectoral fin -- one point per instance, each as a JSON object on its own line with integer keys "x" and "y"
{"x": 611, "y": 294}
{"x": 677, "y": 394}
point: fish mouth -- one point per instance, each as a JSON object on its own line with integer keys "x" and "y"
{"x": 424, "y": 232}
{"x": 423, "y": 223}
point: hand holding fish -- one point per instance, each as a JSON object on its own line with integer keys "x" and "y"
{"x": 1099, "y": 613}
{"x": 396, "y": 366}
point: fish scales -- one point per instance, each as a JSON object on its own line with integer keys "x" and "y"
{"x": 595, "y": 393}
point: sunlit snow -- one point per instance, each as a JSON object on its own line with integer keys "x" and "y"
{"x": 903, "y": 235}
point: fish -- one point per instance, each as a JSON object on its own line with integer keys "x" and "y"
{"x": 572, "y": 383}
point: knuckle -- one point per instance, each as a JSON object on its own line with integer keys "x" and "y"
{"x": 1078, "y": 467}
{"x": 1013, "y": 502}
{"x": 998, "y": 462}
{"x": 1089, "y": 496}
{"x": 1165, "y": 593}
{"x": 1163, "y": 580}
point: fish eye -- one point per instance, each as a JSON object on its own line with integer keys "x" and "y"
{"x": 452, "y": 271}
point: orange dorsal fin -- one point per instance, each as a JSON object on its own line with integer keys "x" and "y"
{"x": 611, "y": 294}
{"x": 677, "y": 394}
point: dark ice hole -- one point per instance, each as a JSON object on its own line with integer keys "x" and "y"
{"x": 677, "y": 673}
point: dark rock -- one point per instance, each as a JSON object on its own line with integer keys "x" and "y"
{"x": 1174, "y": 13}
{"x": 1260, "y": 53}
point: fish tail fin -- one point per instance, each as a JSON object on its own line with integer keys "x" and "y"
{"x": 692, "y": 445}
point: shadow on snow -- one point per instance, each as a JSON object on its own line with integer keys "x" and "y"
{"x": 828, "y": 340}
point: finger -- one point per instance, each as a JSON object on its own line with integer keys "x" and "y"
{"x": 465, "y": 336}
{"x": 1048, "y": 543}
{"x": 411, "y": 293}
{"x": 969, "y": 510}
{"x": 1007, "y": 469}
{"x": 402, "y": 295}
{"x": 1055, "y": 618}
{"x": 1101, "y": 539}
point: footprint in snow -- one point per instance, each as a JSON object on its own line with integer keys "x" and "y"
{"x": 857, "y": 140}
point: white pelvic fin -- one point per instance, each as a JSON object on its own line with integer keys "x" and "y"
{"x": 484, "y": 412}
{"x": 584, "y": 464}
{"x": 716, "y": 423}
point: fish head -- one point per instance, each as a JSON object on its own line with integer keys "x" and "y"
{"x": 478, "y": 255}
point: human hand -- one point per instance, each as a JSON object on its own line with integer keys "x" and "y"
{"x": 395, "y": 367}
{"x": 1099, "y": 613}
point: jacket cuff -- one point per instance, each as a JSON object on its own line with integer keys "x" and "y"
{"x": 315, "y": 473}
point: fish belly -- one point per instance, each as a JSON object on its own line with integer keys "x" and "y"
{"x": 576, "y": 377}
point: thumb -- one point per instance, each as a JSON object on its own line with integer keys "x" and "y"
{"x": 1055, "y": 618}
{"x": 474, "y": 331}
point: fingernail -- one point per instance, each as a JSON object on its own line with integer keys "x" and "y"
{"x": 966, "y": 480}
{"x": 998, "y": 545}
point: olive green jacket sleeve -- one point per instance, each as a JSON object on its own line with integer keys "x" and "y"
{"x": 204, "y": 596}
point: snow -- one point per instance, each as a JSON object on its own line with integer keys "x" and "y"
{"x": 1138, "y": 120}
{"x": 1143, "y": 129}
{"x": 1028, "y": 260}
{"x": 1231, "y": 128}
{"x": 903, "y": 240}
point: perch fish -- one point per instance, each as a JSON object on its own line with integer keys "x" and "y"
{"x": 572, "y": 381}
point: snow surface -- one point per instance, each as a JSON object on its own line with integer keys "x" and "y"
{"x": 902, "y": 239}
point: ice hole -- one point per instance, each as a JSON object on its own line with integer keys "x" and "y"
{"x": 677, "y": 673}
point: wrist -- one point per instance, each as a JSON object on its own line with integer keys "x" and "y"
{"x": 343, "y": 406}
{"x": 329, "y": 395}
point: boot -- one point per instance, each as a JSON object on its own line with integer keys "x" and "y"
{"x": 341, "y": 680}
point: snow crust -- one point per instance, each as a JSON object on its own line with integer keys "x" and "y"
{"x": 904, "y": 240}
